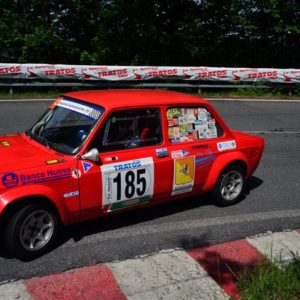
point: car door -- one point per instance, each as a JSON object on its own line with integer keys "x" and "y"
{"x": 192, "y": 133}
{"x": 132, "y": 163}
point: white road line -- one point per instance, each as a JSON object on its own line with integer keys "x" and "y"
{"x": 173, "y": 275}
{"x": 272, "y": 132}
{"x": 185, "y": 225}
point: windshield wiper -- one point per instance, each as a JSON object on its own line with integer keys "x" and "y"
{"x": 49, "y": 144}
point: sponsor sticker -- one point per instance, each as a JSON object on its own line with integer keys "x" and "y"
{"x": 10, "y": 180}
{"x": 179, "y": 153}
{"x": 71, "y": 194}
{"x": 159, "y": 150}
{"x": 204, "y": 158}
{"x": 184, "y": 173}
{"x": 226, "y": 145}
{"x": 76, "y": 173}
{"x": 128, "y": 180}
{"x": 44, "y": 176}
{"x": 86, "y": 166}
{"x": 88, "y": 111}
{"x": 106, "y": 159}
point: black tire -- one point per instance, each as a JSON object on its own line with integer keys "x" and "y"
{"x": 230, "y": 186}
{"x": 31, "y": 231}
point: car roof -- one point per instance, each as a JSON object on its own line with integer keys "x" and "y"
{"x": 111, "y": 99}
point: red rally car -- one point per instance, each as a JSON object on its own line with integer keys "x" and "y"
{"x": 93, "y": 153}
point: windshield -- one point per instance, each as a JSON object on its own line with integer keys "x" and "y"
{"x": 65, "y": 125}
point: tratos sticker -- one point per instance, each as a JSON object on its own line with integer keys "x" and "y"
{"x": 184, "y": 173}
{"x": 226, "y": 145}
{"x": 127, "y": 183}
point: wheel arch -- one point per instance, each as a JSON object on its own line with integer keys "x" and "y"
{"x": 19, "y": 203}
{"x": 240, "y": 163}
{"x": 223, "y": 162}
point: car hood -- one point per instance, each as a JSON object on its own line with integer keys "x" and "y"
{"x": 20, "y": 152}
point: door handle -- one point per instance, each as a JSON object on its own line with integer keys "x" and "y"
{"x": 162, "y": 154}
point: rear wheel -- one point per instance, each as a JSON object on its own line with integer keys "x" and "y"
{"x": 230, "y": 186}
{"x": 31, "y": 231}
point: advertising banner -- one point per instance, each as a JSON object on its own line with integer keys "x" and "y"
{"x": 141, "y": 73}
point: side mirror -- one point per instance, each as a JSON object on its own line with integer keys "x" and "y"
{"x": 92, "y": 155}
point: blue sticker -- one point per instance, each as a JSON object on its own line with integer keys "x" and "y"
{"x": 204, "y": 159}
{"x": 86, "y": 166}
{"x": 161, "y": 150}
{"x": 71, "y": 194}
{"x": 226, "y": 145}
{"x": 185, "y": 153}
{"x": 10, "y": 180}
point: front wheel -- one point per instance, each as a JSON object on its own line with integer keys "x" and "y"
{"x": 31, "y": 231}
{"x": 230, "y": 186}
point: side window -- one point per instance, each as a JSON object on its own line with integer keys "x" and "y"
{"x": 186, "y": 124}
{"x": 131, "y": 129}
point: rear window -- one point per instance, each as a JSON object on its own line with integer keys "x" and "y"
{"x": 186, "y": 124}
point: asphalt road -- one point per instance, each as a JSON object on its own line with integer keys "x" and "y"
{"x": 272, "y": 203}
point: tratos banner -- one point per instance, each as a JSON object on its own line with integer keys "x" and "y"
{"x": 117, "y": 73}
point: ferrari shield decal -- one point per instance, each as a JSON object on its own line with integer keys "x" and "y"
{"x": 184, "y": 173}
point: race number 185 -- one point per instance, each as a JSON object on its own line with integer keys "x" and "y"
{"x": 125, "y": 184}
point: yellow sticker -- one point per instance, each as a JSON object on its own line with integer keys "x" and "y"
{"x": 5, "y": 143}
{"x": 184, "y": 173}
{"x": 52, "y": 162}
{"x": 184, "y": 170}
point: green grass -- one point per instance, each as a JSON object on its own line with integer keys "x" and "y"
{"x": 271, "y": 282}
{"x": 30, "y": 95}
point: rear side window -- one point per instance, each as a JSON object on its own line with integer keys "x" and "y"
{"x": 186, "y": 124}
{"x": 132, "y": 129}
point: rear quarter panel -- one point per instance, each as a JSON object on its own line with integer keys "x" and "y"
{"x": 248, "y": 151}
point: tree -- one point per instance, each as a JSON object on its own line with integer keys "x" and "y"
{"x": 251, "y": 33}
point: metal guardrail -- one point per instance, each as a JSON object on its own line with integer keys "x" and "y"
{"x": 109, "y": 84}
{"x": 199, "y": 87}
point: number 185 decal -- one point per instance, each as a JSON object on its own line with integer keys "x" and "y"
{"x": 126, "y": 181}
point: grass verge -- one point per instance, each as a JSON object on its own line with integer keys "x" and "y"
{"x": 271, "y": 281}
{"x": 30, "y": 95}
